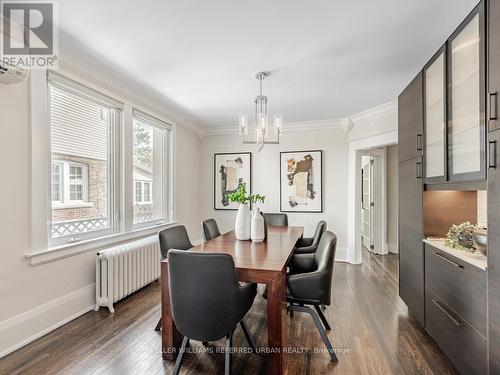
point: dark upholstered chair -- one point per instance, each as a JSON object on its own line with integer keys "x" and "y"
{"x": 173, "y": 238}
{"x": 310, "y": 282}
{"x": 309, "y": 245}
{"x": 276, "y": 220}
{"x": 207, "y": 301}
{"x": 210, "y": 229}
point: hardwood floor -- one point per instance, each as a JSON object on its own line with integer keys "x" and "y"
{"x": 369, "y": 324}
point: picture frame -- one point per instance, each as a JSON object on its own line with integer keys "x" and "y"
{"x": 301, "y": 181}
{"x": 230, "y": 169}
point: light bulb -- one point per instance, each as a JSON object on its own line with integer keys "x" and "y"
{"x": 278, "y": 123}
{"x": 243, "y": 128}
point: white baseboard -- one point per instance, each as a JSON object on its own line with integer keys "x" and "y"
{"x": 341, "y": 254}
{"x": 30, "y": 325}
{"x": 393, "y": 248}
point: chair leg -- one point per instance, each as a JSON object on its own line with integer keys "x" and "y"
{"x": 158, "y": 326}
{"x": 178, "y": 362}
{"x": 229, "y": 346}
{"x": 321, "y": 330}
{"x": 322, "y": 317}
{"x": 249, "y": 337}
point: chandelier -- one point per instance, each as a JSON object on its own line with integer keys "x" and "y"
{"x": 261, "y": 120}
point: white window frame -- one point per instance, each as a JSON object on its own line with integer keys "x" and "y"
{"x": 83, "y": 91}
{"x": 43, "y": 250}
{"x": 166, "y": 172}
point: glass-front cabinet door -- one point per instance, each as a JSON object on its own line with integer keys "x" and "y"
{"x": 466, "y": 156}
{"x": 435, "y": 118}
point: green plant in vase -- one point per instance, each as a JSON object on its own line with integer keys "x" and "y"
{"x": 242, "y": 226}
{"x": 240, "y": 196}
{"x": 460, "y": 237}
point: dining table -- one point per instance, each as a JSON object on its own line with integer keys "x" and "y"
{"x": 257, "y": 262}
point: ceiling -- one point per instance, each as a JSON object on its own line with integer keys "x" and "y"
{"x": 328, "y": 59}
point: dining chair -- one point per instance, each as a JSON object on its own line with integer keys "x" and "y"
{"x": 310, "y": 283}
{"x": 309, "y": 245}
{"x": 173, "y": 238}
{"x": 210, "y": 229}
{"x": 207, "y": 301}
{"x": 275, "y": 219}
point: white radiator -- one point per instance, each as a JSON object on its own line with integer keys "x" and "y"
{"x": 123, "y": 269}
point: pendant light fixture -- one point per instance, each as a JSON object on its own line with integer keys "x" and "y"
{"x": 261, "y": 119}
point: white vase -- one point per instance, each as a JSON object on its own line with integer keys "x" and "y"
{"x": 257, "y": 230}
{"x": 242, "y": 224}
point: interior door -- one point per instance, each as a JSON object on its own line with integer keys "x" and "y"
{"x": 367, "y": 202}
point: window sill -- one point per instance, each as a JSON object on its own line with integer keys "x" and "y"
{"x": 62, "y": 206}
{"x": 64, "y": 251}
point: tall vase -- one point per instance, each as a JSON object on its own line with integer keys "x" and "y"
{"x": 257, "y": 230}
{"x": 242, "y": 224}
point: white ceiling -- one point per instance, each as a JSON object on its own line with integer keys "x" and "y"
{"x": 328, "y": 59}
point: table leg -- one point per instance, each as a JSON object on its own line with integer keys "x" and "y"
{"x": 171, "y": 339}
{"x": 276, "y": 323}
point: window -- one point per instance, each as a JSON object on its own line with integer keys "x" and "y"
{"x": 101, "y": 169}
{"x": 56, "y": 182}
{"x": 147, "y": 192}
{"x": 142, "y": 192}
{"x": 82, "y": 126}
{"x": 150, "y": 158}
{"x": 138, "y": 192}
{"x": 69, "y": 184}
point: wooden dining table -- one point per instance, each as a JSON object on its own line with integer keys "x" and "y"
{"x": 264, "y": 263}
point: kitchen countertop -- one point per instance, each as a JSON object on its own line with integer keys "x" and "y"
{"x": 476, "y": 259}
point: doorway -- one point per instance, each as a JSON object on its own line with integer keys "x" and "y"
{"x": 373, "y": 201}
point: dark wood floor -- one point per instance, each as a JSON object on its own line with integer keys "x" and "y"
{"x": 369, "y": 323}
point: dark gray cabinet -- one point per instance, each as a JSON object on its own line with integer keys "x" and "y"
{"x": 466, "y": 99}
{"x": 455, "y": 309}
{"x": 463, "y": 345}
{"x": 410, "y": 120}
{"x": 493, "y": 64}
{"x": 458, "y": 284}
{"x": 494, "y": 251}
{"x": 454, "y": 107}
{"x": 493, "y": 185}
{"x": 411, "y": 249}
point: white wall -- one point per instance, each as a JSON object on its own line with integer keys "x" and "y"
{"x": 392, "y": 198}
{"x": 35, "y": 299}
{"x": 266, "y": 180}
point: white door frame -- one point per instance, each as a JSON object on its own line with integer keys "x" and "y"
{"x": 354, "y": 254}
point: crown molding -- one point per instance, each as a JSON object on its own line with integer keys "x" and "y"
{"x": 346, "y": 123}
{"x": 287, "y": 127}
{"x": 374, "y": 113}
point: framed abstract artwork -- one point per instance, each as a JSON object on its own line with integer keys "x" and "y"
{"x": 230, "y": 170}
{"x": 301, "y": 181}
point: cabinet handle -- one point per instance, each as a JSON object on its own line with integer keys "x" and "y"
{"x": 418, "y": 169}
{"x": 493, "y": 105}
{"x": 451, "y": 317}
{"x": 419, "y": 142}
{"x": 447, "y": 260}
{"x": 492, "y": 154}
